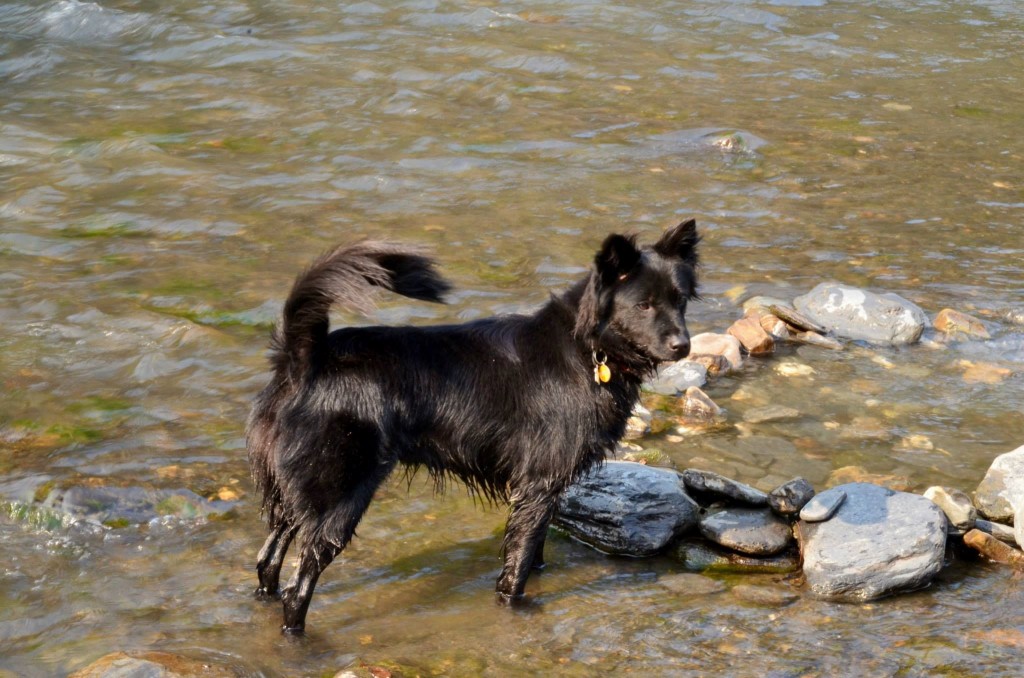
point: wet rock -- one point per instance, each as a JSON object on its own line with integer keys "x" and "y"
{"x": 755, "y": 532}
{"x": 957, "y": 506}
{"x": 774, "y": 326}
{"x": 639, "y": 423}
{"x": 627, "y": 508}
{"x": 122, "y": 506}
{"x": 772, "y": 596}
{"x": 764, "y": 303}
{"x": 1015, "y": 316}
{"x": 993, "y": 549}
{"x": 725, "y": 345}
{"x": 708, "y": 482}
{"x": 151, "y": 665}
{"x": 823, "y": 506}
{"x": 714, "y": 364}
{"x": 878, "y": 543}
{"x": 1018, "y": 526}
{"x": 797, "y": 321}
{"x": 676, "y": 377}
{"x": 858, "y": 314}
{"x": 950, "y": 321}
{"x": 697, "y": 405}
{"x": 761, "y": 415}
{"x": 815, "y": 339}
{"x": 651, "y": 456}
{"x": 1002, "y": 488}
{"x": 794, "y": 369}
{"x": 984, "y": 372}
{"x": 866, "y": 428}
{"x": 789, "y": 498}
{"x": 752, "y": 336}
{"x": 701, "y": 556}
{"x": 691, "y": 584}
{"x": 997, "y": 530}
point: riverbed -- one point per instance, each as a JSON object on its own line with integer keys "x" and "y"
{"x": 167, "y": 168}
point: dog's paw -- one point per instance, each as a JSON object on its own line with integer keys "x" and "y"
{"x": 262, "y": 594}
{"x": 293, "y": 630}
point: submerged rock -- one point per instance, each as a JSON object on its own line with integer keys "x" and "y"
{"x": 675, "y": 378}
{"x": 697, "y": 405}
{"x": 761, "y": 415}
{"x": 858, "y": 314}
{"x": 878, "y": 543}
{"x": 151, "y": 665}
{"x": 1002, "y": 488}
{"x": 122, "y": 506}
{"x": 755, "y": 532}
{"x": 790, "y": 497}
{"x": 993, "y": 549}
{"x": 701, "y": 556}
{"x": 712, "y": 483}
{"x": 950, "y": 321}
{"x": 639, "y": 423}
{"x": 627, "y": 508}
{"x": 772, "y": 596}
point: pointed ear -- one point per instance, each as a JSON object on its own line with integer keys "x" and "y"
{"x": 617, "y": 257}
{"x": 680, "y": 242}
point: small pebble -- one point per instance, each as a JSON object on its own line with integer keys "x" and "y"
{"x": 791, "y": 369}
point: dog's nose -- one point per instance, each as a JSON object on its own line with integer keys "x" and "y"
{"x": 680, "y": 346}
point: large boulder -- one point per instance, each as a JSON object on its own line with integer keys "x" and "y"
{"x": 627, "y": 508}
{"x": 854, "y": 313}
{"x": 1001, "y": 491}
{"x": 877, "y": 543}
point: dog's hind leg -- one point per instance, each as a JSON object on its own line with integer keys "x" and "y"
{"x": 332, "y": 533}
{"x": 270, "y": 559}
{"x": 524, "y": 541}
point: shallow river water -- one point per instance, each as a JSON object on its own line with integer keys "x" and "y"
{"x": 167, "y": 168}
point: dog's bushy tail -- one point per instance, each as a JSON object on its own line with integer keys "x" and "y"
{"x": 347, "y": 276}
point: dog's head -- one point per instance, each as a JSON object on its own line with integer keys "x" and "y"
{"x": 635, "y": 299}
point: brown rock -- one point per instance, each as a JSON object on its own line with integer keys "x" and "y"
{"x": 950, "y": 321}
{"x": 163, "y": 664}
{"x": 711, "y": 343}
{"x": 815, "y": 339}
{"x": 714, "y": 364}
{"x": 753, "y": 337}
{"x": 797, "y": 319}
{"x": 993, "y": 549}
{"x": 858, "y": 474}
{"x": 697, "y": 405}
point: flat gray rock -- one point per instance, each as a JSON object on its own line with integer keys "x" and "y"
{"x": 822, "y": 506}
{"x": 702, "y": 556}
{"x": 858, "y": 314}
{"x": 675, "y": 378}
{"x": 713, "y": 483}
{"x": 753, "y": 531}
{"x": 1002, "y": 488}
{"x": 627, "y": 508}
{"x": 790, "y": 497}
{"x": 761, "y": 415}
{"x": 878, "y": 543}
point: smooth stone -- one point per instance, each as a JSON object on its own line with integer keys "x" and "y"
{"x": 1002, "y": 488}
{"x": 815, "y": 339}
{"x": 951, "y": 321}
{"x": 1018, "y": 526}
{"x": 956, "y": 505}
{"x": 822, "y": 506}
{"x": 691, "y": 583}
{"x": 796, "y": 320}
{"x": 878, "y": 543}
{"x": 711, "y": 343}
{"x": 764, "y": 595}
{"x": 764, "y": 303}
{"x": 858, "y": 314}
{"x": 859, "y": 474}
{"x": 627, "y": 508}
{"x": 1015, "y": 316}
{"x": 713, "y": 483}
{"x": 697, "y": 405}
{"x": 997, "y": 530}
{"x": 714, "y": 364}
{"x": 761, "y": 415}
{"x": 774, "y": 326}
{"x": 151, "y": 664}
{"x": 752, "y": 336}
{"x": 755, "y": 532}
{"x": 675, "y": 378}
{"x": 994, "y": 549}
{"x": 790, "y": 498}
{"x": 701, "y": 556}
{"x": 131, "y": 505}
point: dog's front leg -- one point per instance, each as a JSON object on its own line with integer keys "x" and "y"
{"x": 524, "y": 542}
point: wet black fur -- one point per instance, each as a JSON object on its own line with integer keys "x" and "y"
{"x": 507, "y": 405}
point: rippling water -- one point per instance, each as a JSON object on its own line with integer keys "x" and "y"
{"x": 166, "y": 168}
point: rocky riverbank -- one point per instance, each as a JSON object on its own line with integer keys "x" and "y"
{"x": 853, "y": 541}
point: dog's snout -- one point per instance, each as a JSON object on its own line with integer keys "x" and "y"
{"x": 680, "y": 346}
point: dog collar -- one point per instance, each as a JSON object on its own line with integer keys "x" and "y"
{"x": 602, "y": 373}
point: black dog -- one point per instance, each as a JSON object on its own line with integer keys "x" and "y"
{"x": 516, "y": 407}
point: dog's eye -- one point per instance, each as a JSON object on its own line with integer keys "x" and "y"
{"x": 644, "y": 306}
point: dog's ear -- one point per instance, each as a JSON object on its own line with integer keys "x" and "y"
{"x": 613, "y": 263}
{"x": 680, "y": 242}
